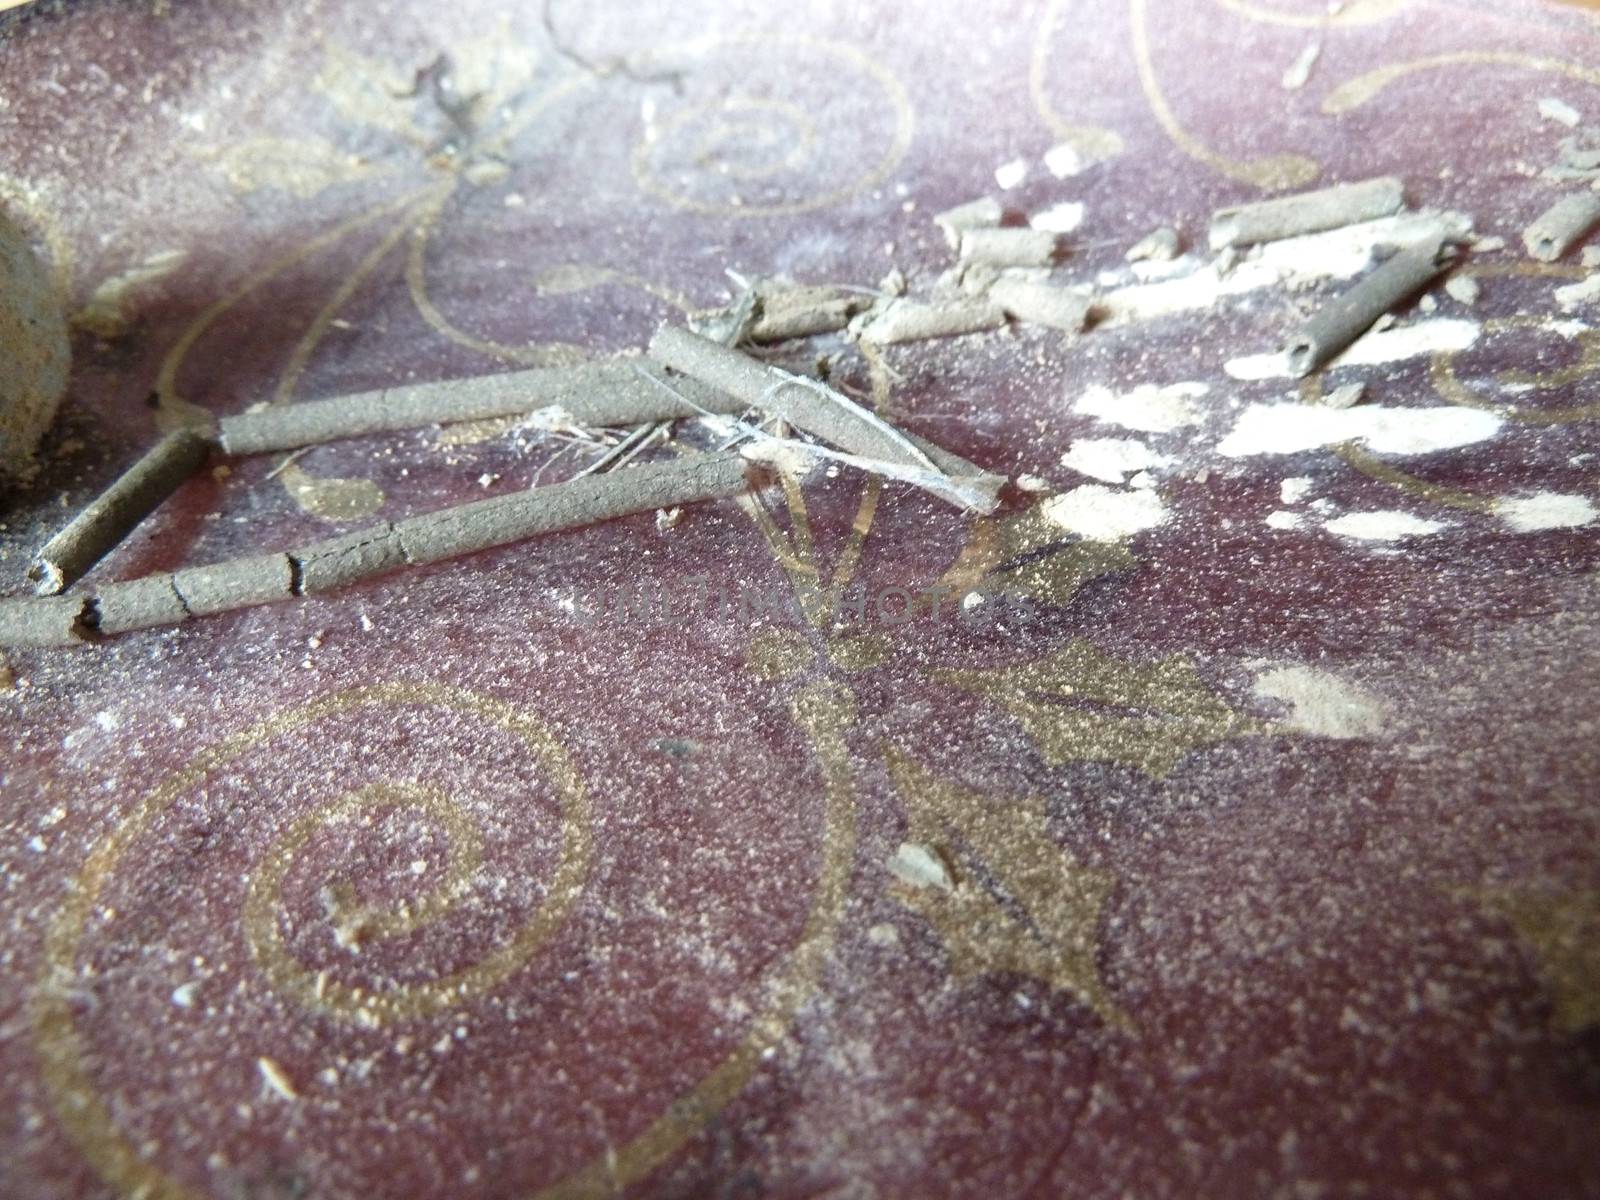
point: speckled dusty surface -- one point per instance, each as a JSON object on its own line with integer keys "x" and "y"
{"x": 1247, "y": 846}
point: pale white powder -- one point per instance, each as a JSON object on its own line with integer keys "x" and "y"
{"x": 1322, "y": 703}
{"x": 1545, "y": 510}
{"x": 1291, "y": 428}
{"x": 1383, "y": 526}
{"x": 1103, "y": 514}
{"x": 1147, "y": 408}
{"x": 1059, "y": 218}
{"x": 1111, "y": 459}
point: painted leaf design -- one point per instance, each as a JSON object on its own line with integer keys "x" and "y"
{"x": 1018, "y": 902}
{"x": 1026, "y": 555}
{"x": 302, "y": 166}
{"x": 1078, "y": 704}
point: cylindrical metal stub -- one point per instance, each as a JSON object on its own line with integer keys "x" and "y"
{"x": 35, "y": 354}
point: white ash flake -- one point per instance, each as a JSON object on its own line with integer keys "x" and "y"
{"x": 1293, "y": 427}
{"x": 1322, "y": 704}
{"x": 1545, "y": 510}
{"x": 1105, "y": 514}
{"x": 1386, "y": 525}
{"x": 1111, "y": 460}
{"x": 1147, "y": 408}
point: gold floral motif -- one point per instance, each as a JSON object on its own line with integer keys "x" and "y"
{"x": 1078, "y": 704}
{"x": 1028, "y": 908}
{"x": 1562, "y": 929}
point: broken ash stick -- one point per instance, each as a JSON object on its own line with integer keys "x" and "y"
{"x": 112, "y": 515}
{"x": 1346, "y": 318}
{"x": 42, "y": 620}
{"x": 913, "y": 321}
{"x": 1041, "y": 304}
{"x": 981, "y": 213}
{"x": 805, "y": 312}
{"x": 1009, "y": 247}
{"x": 168, "y": 599}
{"x": 595, "y": 394}
{"x": 1309, "y": 212}
{"x": 824, "y": 413}
{"x": 1562, "y": 225}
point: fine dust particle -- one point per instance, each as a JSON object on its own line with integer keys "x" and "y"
{"x": 1382, "y": 526}
{"x": 1283, "y": 519}
{"x": 183, "y": 994}
{"x": 275, "y": 1078}
{"x": 1292, "y": 428}
{"x": 1148, "y": 408}
{"x": 1059, "y": 218}
{"x": 920, "y": 866}
{"x": 1295, "y": 489}
{"x": 1033, "y": 484}
{"x": 883, "y": 935}
{"x": 1321, "y": 703}
{"x": 1103, "y": 514}
{"x": 1559, "y": 111}
{"x": 1011, "y": 174}
{"x": 1545, "y": 510}
{"x": 1299, "y": 71}
{"x": 1111, "y": 459}
{"x": 668, "y": 518}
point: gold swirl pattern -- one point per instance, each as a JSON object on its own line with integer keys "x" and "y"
{"x": 1092, "y": 143}
{"x": 1365, "y": 88}
{"x": 702, "y": 157}
{"x": 1271, "y": 172}
{"x": 80, "y": 1108}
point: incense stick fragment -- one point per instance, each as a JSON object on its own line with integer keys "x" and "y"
{"x": 595, "y": 394}
{"x": 236, "y": 583}
{"x": 336, "y": 561}
{"x": 1561, "y": 226}
{"x": 974, "y": 214}
{"x": 1042, "y": 304}
{"x": 137, "y": 604}
{"x": 805, "y": 312}
{"x": 1009, "y": 247}
{"x": 823, "y": 413}
{"x": 112, "y": 515}
{"x": 467, "y": 528}
{"x": 1346, "y": 318}
{"x": 43, "y": 621}
{"x": 1309, "y": 212}
{"x": 913, "y": 321}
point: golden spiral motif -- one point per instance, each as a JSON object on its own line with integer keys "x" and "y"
{"x": 753, "y": 154}
{"x": 79, "y": 1104}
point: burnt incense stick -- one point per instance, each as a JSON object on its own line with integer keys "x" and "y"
{"x": 595, "y": 395}
{"x": 1041, "y": 304}
{"x": 1346, "y": 318}
{"x": 1562, "y": 225}
{"x": 1009, "y": 247}
{"x": 824, "y": 413}
{"x": 43, "y": 620}
{"x": 1309, "y": 212}
{"x": 112, "y": 515}
{"x": 169, "y": 599}
{"x": 914, "y": 321}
